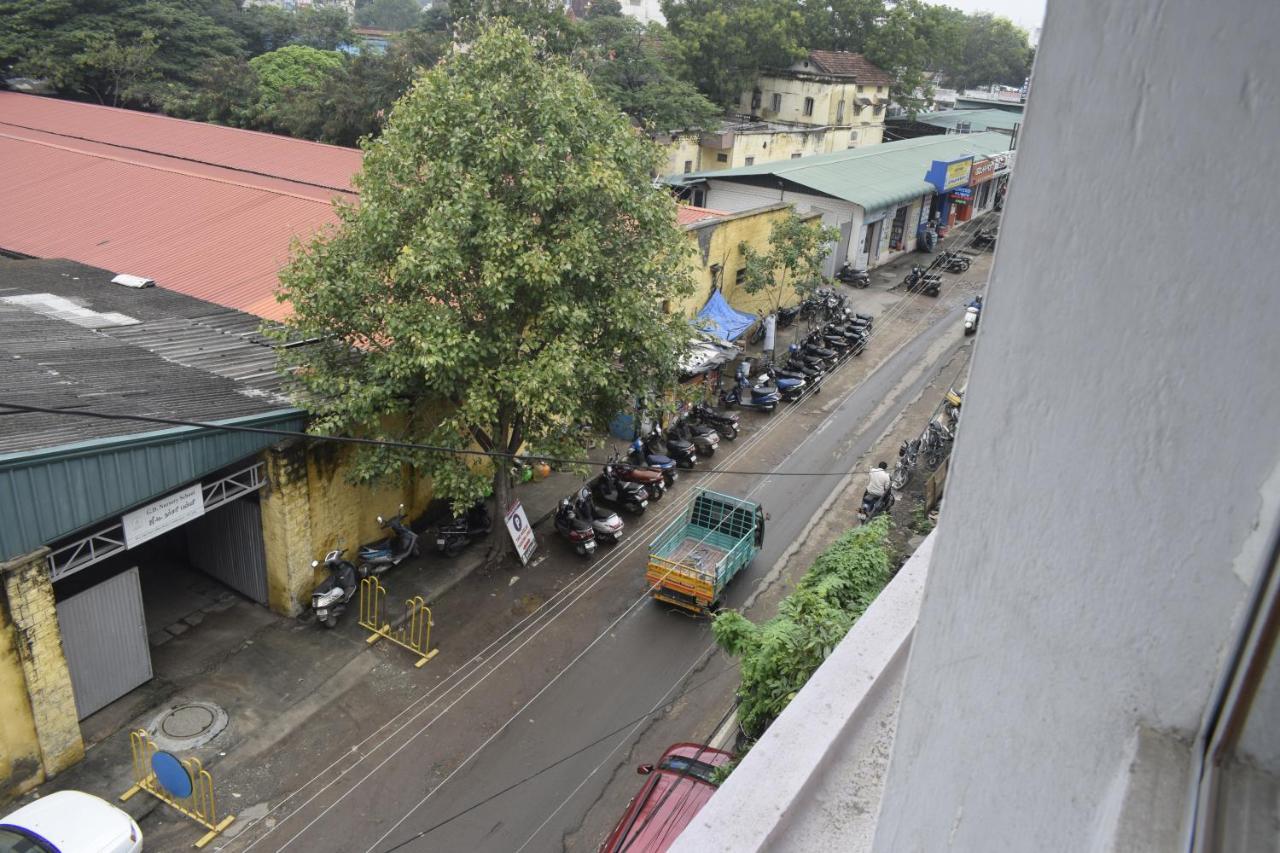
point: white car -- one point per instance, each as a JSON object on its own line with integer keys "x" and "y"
{"x": 69, "y": 822}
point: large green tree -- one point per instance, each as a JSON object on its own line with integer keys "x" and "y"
{"x": 994, "y": 50}
{"x": 630, "y": 64}
{"x": 793, "y": 265}
{"x": 502, "y": 277}
{"x": 124, "y": 52}
{"x": 285, "y": 76}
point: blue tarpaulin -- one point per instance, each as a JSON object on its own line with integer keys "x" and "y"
{"x": 723, "y": 320}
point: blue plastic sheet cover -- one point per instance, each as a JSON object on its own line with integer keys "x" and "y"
{"x": 723, "y": 320}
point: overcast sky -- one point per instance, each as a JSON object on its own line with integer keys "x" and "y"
{"x": 1025, "y": 13}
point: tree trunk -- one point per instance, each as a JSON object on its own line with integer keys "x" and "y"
{"x": 503, "y": 489}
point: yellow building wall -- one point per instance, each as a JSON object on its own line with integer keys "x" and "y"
{"x": 680, "y": 150}
{"x": 718, "y": 242}
{"x": 20, "y": 767}
{"x": 311, "y": 508}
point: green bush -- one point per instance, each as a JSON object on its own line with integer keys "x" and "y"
{"x": 778, "y": 656}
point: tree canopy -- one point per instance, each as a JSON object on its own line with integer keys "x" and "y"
{"x": 502, "y": 277}
{"x": 390, "y": 14}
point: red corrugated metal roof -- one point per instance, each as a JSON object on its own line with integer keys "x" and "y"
{"x": 204, "y": 210}
{"x": 687, "y": 214}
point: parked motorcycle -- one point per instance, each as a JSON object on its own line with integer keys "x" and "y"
{"x": 329, "y": 598}
{"x": 920, "y": 281}
{"x": 457, "y": 534}
{"x": 650, "y": 479}
{"x": 873, "y": 506}
{"x": 724, "y": 423}
{"x": 608, "y": 488}
{"x": 391, "y": 551}
{"x": 954, "y": 262}
{"x": 604, "y": 522}
{"x": 579, "y": 532}
{"x": 790, "y": 387}
{"x": 970, "y": 320}
{"x": 640, "y": 456}
{"x": 787, "y": 316}
{"x": 985, "y": 239}
{"x": 855, "y": 277}
{"x": 907, "y": 454}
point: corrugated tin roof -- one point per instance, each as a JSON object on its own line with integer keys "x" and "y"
{"x": 180, "y": 359}
{"x": 266, "y": 154}
{"x": 214, "y": 222}
{"x": 978, "y": 120}
{"x": 874, "y": 177}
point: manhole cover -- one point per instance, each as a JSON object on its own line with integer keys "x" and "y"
{"x": 188, "y": 725}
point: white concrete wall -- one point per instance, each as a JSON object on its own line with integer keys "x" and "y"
{"x": 1116, "y": 472}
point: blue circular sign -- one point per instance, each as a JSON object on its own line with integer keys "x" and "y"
{"x": 172, "y": 774}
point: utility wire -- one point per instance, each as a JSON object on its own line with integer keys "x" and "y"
{"x": 562, "y": 759}
{"x": 370, "y": 442}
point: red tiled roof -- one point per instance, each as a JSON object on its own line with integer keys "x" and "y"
{"x": 687, "y": 214}
{"x": 842, "y": 63}
{"x": 204, "y": 210}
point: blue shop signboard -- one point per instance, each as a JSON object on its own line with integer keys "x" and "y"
{"x": 948, "y": 175}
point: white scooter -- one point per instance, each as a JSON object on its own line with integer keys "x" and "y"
{"x": 971, "y": 320}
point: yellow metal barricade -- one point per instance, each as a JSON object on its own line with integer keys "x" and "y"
{"x": 199, "y": 806}
{"x": 414, "y": 632}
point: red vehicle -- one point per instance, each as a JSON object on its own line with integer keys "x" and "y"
{"x": 675, "y": 791}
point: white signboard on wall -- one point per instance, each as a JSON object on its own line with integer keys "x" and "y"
{"x": 162, "y": 516}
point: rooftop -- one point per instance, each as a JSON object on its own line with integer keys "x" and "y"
{"x": 978, "y": 120}
{"x": 687, "y": 214}
{"x": 71, "y": 339}
{"x": 842, "y": 63}
{"x": 204, "y": 210}
{"x": 873, "y": 177}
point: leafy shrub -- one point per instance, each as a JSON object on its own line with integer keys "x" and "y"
{"x": 778, "y": 656}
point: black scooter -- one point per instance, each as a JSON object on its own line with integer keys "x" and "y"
{"x": 610, "y": 489}
{"x": 475, "y": 523}
{"x": 853, "y": 277}
{"x": 677, "y": 448}
{"x": 954, "y": 262}
{"x": 920, "y": 281}
{"x": 329, "y": 599}
{"x": 873, "y": 506}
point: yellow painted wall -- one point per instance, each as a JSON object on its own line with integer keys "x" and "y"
{"x": 683, "y": 149}
{"x": 721, "y": 239}
{"x": 20, "y": 767}
{"x": 311, "y": 508}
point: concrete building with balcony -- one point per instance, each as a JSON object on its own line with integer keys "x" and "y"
{"x": 1082, "y": 654}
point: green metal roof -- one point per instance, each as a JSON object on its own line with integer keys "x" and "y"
{"x": 978, "y": 119}
{"x": 53, "y": 492}
{"x": 876, "y": 176}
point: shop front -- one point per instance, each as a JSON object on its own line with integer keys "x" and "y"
{"x": 947, "y": 177}
{"x": 986, "y": 181}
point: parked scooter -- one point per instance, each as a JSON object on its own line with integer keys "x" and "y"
{"x": 676, "y": 448}
{"x": 648, "y": 478}
{"x": 475, "y": 523}
{"x": 705, "y": 439}
{"x": 985, "y": 239}
{"x": 609, "y": 488}
{"x": 907, "y": 454}
{"x": 724, "y": 423}
{"x": 576, "y": 530}
{"x": 855, "y": 277}
{"x": 640, "y": 456}
{"x": 787, "y": 316}
{"x": 329, "y": 598}
{"x": 790, "y": 388}
{"x": 743, "y": 393}
{"x": 392, "y": 551}
{"x": 604, "y": 522}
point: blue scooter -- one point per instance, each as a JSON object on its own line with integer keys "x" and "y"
{"x": 743, "y": 393}
{"x": 640, "y": 456}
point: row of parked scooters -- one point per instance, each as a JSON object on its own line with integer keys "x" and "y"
{"x": 807, "y": 363}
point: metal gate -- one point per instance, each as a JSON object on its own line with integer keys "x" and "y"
{"x": 104, "y": 638}
{"x": 227, "y": 543}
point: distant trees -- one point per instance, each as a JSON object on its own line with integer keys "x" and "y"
{"x": 389, "y": 14}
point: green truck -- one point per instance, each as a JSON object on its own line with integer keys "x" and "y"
{"x": 695, "y": 556}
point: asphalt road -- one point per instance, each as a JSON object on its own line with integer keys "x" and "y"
{"x": 601, "y": 657}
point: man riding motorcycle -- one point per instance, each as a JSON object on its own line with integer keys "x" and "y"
{"x": 879, "y": 494}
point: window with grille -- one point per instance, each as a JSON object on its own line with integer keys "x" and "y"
{"x": 840, "y": 112}
{"x": 751, "y": 161}
{"x": 808, "y": 106}
{"x": 688, "y": 166}
{"x": 755, "y": 99}
{"x": 722, "y": 158}
{"x": 777, "y": 102}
